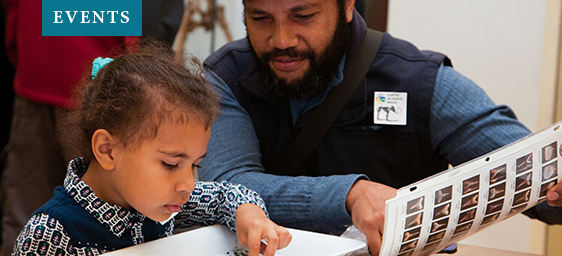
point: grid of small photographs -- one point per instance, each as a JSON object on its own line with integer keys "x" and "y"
{"x": 523, "y": 182}
{"x": 440, "y": 218}
{"x": 412, "y": 225}
{"x": 477, "y": 200}
{"x": 469, "y": 203}
{"x": 549, "y": 171}
{"x": 496, "y": 194}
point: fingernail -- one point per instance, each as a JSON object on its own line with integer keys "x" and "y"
{"x": 553, "y": 196}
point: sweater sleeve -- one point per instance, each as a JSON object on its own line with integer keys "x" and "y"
{"x": 466, "y": 123}
{"x": 215, "y": 203}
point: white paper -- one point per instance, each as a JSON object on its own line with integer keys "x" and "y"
{"x": 431, "y": 214}
{"x": 218, "y": 240}
{"x": 169, "y": 218}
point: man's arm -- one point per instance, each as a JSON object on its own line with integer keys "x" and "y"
{"x": 311, "y": 203}
{"x": 466, "y": 124}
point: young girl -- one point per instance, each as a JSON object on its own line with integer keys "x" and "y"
{"x": 142, "y": 127}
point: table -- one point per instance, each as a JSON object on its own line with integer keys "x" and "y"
{"x": 466, "y": 250}
{"x": 471, "y": 250}
{"x": 215, "y": 240}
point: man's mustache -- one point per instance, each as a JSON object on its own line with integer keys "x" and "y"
{"x": 289, "y": 52}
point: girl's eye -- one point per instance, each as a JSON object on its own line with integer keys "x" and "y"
{"x": 169, "y": 166}
{"x": 196, "y": 166}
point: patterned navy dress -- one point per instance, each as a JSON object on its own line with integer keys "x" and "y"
{"x": 76, "y": 222}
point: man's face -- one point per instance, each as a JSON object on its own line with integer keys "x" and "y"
{"x": 298, "y": 43}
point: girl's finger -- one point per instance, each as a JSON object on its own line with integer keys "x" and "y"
{"x": 284, "y": 237}
{"x": 270, "y": 236}
{"x": 254, "y": 243}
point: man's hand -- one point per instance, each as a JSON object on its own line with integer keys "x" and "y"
{"x": 253, "y": 226}
{"x": 553, "y": 196}
{"x": 365, "y": 202}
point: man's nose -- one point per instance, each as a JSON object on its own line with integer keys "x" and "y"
{"x": 283, "y": 36}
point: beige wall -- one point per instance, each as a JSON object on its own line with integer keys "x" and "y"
{"x": 554, "y": 233}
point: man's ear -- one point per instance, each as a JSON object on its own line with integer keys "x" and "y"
{"x": 349, "y": 6}
{"x": 102, "y": 146}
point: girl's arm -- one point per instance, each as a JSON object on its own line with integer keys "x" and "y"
{"x": 216, "y": 203}
{"x": 240, "y": 208}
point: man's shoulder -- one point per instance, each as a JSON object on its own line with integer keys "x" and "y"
{"x": 396, "y": 47}
{"x": 233, "y": 51}
{"x": 232, "y": 60}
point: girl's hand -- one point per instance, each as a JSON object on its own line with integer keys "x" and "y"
{"x": 252, "y": 225}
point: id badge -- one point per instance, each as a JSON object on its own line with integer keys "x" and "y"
{"x": 390, "y": 108}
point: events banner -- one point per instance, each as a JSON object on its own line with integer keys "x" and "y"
{"x": 91, "y": 18}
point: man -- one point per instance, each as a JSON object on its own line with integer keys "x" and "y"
{"x": 295, "y": 53}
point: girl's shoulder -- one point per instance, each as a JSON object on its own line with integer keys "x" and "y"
{"x": 43, "y": 234}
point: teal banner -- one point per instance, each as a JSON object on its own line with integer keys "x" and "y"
{"x": 92, "y": 18}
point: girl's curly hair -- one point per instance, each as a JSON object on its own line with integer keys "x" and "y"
{"x": 132, "y": 95}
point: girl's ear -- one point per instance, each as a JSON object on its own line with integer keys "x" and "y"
{"x": 102, "y": 142}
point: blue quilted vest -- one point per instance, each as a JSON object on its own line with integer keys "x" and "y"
{"x": 392, "y": 155}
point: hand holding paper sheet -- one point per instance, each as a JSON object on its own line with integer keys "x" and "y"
{"x": 428, "y": 215}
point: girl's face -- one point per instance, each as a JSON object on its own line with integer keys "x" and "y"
{"x": 156, "y": 178}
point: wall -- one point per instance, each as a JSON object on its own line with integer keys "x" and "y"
{"x": 510, "y": 50}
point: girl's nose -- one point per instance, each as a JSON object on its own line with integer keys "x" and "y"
{"x": 185, "y": 184}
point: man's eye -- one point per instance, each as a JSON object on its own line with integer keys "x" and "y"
{"x": 304, "y": 17}
{"x": 169, "y": 166}
{"x": 259, "y": 18}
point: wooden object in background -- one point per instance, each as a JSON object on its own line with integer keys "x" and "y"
{"x": 376, "y": 14}
{"x": 206, "y": 20}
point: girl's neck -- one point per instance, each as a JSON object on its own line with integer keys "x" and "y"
{"x": 101, "y": 183}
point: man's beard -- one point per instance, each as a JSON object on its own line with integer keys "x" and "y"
{"x": 322, "y": 67}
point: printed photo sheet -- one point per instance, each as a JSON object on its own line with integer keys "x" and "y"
{"x": 431, "y": 214}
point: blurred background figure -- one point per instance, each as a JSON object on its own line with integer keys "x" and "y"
{"x": 6, "y": 91}
{"x": 47, "y": 68}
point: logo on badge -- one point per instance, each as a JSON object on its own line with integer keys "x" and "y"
{"x": 381, "y": 98}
